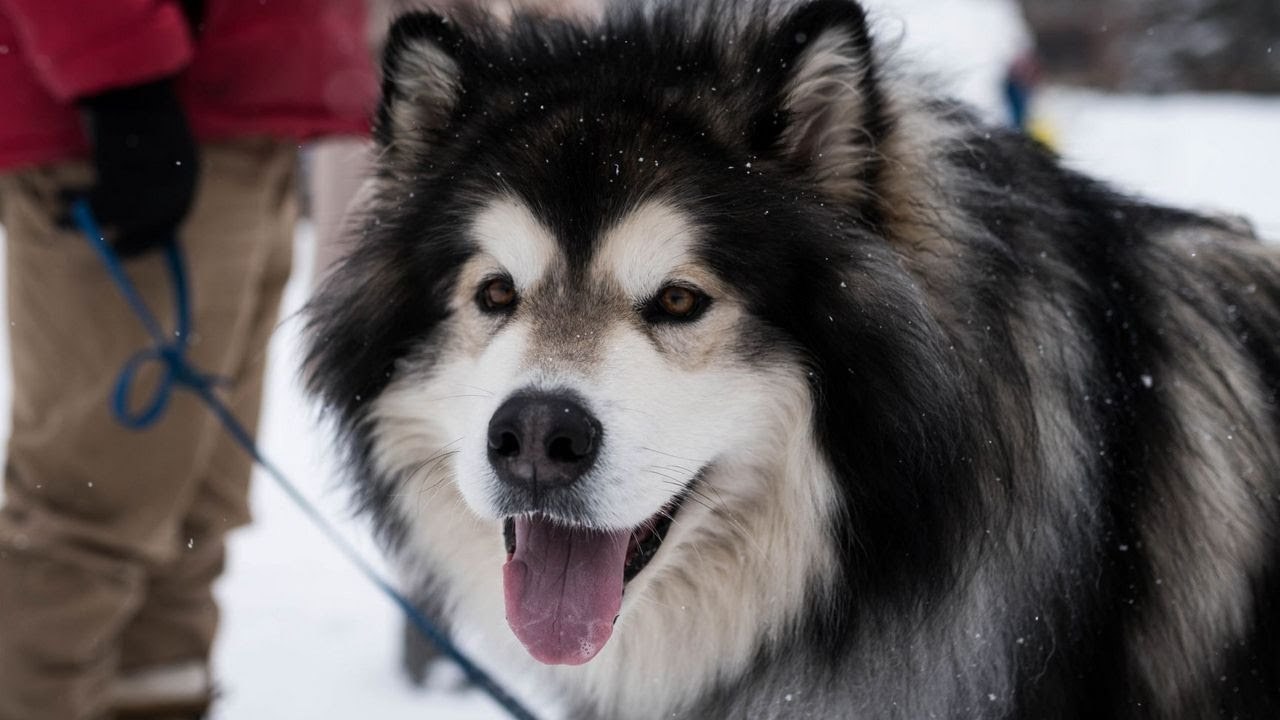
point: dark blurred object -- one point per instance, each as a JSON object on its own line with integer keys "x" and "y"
{"x": 1167, "y": 46}
{"x": 144, "y": 155}
{"x": 1020, "y": 83}
{"x": 417, "y": 655}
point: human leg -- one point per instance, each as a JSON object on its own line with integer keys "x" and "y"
{"x": 91, "y": 510}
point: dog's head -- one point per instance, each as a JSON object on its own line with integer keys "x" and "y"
{"x": 601, "y": 266}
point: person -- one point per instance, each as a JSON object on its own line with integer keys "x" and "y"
{"x": 175, "y": 120}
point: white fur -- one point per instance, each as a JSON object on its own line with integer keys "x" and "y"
{"x": 516, "y": 241}
{"x": 646, "y": 248}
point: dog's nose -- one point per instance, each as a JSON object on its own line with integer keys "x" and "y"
{"x": 543, "y": 440}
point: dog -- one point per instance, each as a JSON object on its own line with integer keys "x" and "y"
{"x": 702, "y": 364}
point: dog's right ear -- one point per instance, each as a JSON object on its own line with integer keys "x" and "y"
{"x": 828, "y": 116}
{"x": 421, "y": 82}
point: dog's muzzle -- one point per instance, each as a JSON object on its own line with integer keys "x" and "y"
{"x": 565, "y": 574}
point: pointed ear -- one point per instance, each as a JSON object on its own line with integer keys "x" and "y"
{"x": 421, "y": 82}
{"x": 828, "y": 110}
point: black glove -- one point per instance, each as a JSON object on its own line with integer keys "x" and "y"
{"x": 145, "y": 157}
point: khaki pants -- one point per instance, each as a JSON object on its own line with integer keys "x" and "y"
{"x": 109, "y": 538}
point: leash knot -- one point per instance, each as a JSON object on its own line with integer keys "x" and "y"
{"x": 175, "y": 371}
{"x": 169, "y": 349}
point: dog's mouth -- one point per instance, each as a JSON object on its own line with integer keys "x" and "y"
{"x": 563, "y": 584}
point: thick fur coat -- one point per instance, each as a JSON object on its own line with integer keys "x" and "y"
{"x": 955, "y": 432}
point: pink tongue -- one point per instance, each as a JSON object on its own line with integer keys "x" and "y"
{"x": 563, "y": 589}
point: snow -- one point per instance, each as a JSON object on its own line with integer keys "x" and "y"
{"x": 1219, "y": 153}
{"x": 305, "y": 636}
{"x": 966, "y": 44}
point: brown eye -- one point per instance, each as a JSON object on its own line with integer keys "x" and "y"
{"x": 677, "y": 303}
{"x": 496, "y": 295}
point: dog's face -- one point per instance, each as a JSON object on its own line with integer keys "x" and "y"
{"x": 586, "y": 394}
{"x": 591, "y": 305}
{"x": 607, "y": 383}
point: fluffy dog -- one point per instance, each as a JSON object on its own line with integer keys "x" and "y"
{"x": 703, "y": 363}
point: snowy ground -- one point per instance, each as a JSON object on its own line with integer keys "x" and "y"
{"x": 305, "y": 637}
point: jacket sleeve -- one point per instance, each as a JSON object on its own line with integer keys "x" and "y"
{"x": 83, "y": 47}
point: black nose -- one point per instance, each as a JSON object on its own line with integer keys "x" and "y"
{"x": 543, "y": 440}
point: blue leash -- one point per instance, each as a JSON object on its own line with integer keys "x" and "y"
{"x": 170, "y": 350}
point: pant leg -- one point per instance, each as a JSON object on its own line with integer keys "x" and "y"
{"x": 339, "y": 168}
{"x": 91, "y": 510}
{"x": 179, "y": 619}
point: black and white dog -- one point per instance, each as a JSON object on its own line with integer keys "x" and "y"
{"x": 706, "y": 365}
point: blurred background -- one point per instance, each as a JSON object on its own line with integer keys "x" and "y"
{"x": 1178, "y": 101}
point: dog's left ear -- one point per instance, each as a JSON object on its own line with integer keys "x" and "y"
{"x": 422, "y": 75}
{"x": 828, "y": 117}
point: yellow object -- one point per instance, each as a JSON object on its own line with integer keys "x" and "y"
{"x": 1043, "y": 131}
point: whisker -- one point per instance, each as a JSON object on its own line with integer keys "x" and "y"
{"x": 677, "y": 457}
{"x": 424, "y": 476}
{"x": 430, "y": 494}
{"x": 674, "y": 480}
{"x": 687, "y": 470}
{"x": 443, "y": 451}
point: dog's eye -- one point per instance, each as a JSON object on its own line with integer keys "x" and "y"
{"x": 676, "y": 302}
{"x": 497, "y": 295}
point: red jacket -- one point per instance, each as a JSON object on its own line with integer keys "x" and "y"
{"x": 285, "y": 68}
